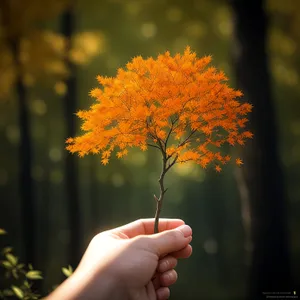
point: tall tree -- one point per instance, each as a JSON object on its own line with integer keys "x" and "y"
{"x": 71, "y": 165}
{"x": 262, "y": 174}
{"x": 13, "y": 40}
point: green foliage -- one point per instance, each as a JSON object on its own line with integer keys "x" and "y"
{"x": 67, "y": 271}
{"x": 2, "y": 231}
{"x": 130, "y": 28}
{"x": 20, "y": 277}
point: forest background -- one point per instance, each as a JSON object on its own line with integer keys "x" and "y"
{"x": 246, "y": 221}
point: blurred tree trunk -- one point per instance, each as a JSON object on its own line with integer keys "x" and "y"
{"x": 94, "y": 195}
{"x": 71, "y": 163}
{"x": 26, "y": 193}
{"x": 45, "y": 246}
{"x": 262, "y": 174}
{"x": 26, "y": 184}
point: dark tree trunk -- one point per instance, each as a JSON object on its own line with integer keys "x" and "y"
{"x": 26, "y": 194}
{"x": 46, "y": 246}
{"x": 262, "y": 174}
{"x": 25, "y": 164}
{"x": 71, "y": 165}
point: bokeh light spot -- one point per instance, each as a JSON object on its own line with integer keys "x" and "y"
{"x": 148, "y": 30}
{"x": 60, "y": 88}
{"x": 117, "y": 179}
{"x": 55, "y": 154}
{"x": 13, "y": 134}
{"x": 210, "y": 246}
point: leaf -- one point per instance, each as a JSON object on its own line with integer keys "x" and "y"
{"x": 20, "y": 266}
{"x": 12, "y": 259}
{"x": 2, "y": 231}
{"x": 26, "y": 284}
{"x": 7, "y": 250}
{"x": 18, "y": 292}
{"x": 34, "y": 275}
{"x": 15, "y": 274}
{"x": 169, "y": 110}
{"x": 6, "y": 264}
{"x": 67, "y": 271}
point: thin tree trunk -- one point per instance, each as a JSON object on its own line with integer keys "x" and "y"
{"x": 94, "y": 196}
{"x": 71, "y": 166}
{"x": 263, "y": 177}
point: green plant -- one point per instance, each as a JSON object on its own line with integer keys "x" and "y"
{"x": 20, "y": 277}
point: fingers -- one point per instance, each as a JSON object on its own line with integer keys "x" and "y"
{"x": 168, "y": 278}
{"x": 146, "y": 226}
{"x": 163, "y": 293}
{"x": 165, "y": 279}
{"x": 166, "y": 263}
{"x": 171, "y": 240}
{"x": 186, "y": 252}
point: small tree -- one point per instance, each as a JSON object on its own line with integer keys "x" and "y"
{"x": 178, "y": 105}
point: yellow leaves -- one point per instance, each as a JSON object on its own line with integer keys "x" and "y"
{"x": 207, "y": 130}
{"x": 247, "y": 134}
{"x": 69, "y": 140}
{"x": 106, "y": 154}
{"x": 85, "y": 46}
{"x": 177, "y": 104}
{"x": 140, "y": 112}
{"x": 104, "y": 161}
{"x": 218, "y": 168}
{"x": 42, "y": 53}
{"x": 171, "y": 150}
{"x": 143, "y": 147}
{"x": 189, "y": 155}
{"x": 161, "y": 134}
{"x": 96, "y": 93}
{"x": 122, "y": 153}
{"x": 60, "y": 88}
{"x": 239, "y": 162}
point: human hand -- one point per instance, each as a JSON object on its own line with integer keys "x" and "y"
{"x": 130, "y": 262}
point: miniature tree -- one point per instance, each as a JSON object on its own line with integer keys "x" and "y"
{"x": 178, "y": 105}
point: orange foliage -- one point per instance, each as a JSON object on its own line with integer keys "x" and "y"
{"x": 178, "y": 105}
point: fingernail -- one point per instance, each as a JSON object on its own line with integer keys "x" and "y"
{"x": 186, "y": 230}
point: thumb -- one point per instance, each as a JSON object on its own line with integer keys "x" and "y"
{"x": 171, "y": 240}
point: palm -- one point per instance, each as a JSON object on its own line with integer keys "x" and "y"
{"x": 143, "y": 271}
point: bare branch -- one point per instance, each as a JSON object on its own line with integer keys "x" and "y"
{"x": 154, "y": 146}
{"x": 172, "y": 163}
{"x": 186, "y": 140}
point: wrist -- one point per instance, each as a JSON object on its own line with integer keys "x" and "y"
{"x": 88, "y": 286}
{"x": 102, "y": 286}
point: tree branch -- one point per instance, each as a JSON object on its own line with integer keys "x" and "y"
{"x": 154, "y": 146}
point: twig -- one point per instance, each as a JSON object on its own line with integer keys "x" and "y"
{"x": 163, "y": 190}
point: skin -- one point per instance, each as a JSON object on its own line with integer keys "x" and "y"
{"x": 130, "y": 263}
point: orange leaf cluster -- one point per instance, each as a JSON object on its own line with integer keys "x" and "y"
{"x": 179, "y": 104}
